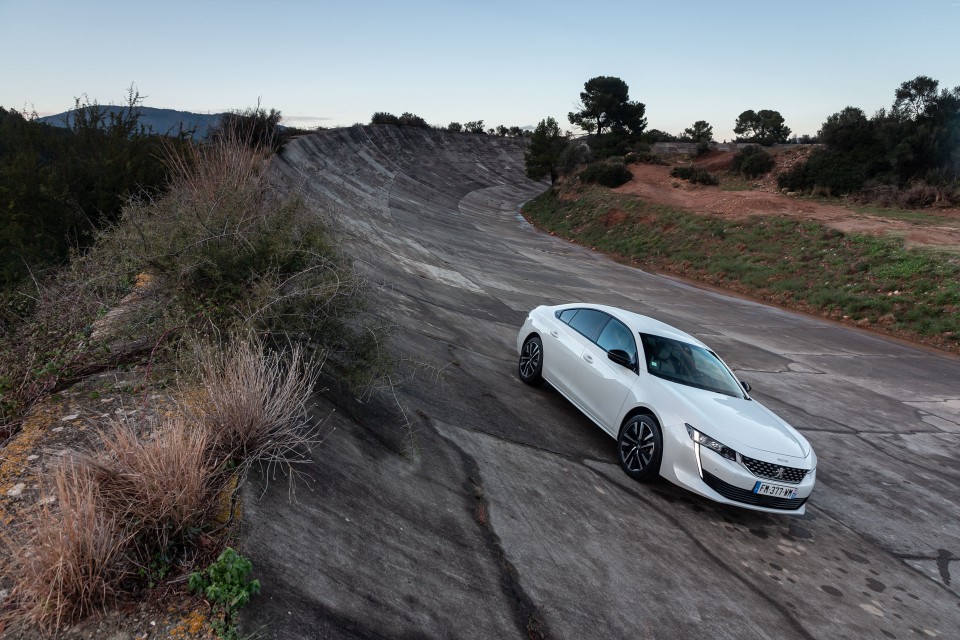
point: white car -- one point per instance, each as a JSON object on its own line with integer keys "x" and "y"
{"x": 674, "y": 407}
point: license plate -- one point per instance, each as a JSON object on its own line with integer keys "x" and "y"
{"x": 775, "y": 490}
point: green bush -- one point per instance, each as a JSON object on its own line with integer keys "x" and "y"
{"x": 575, "y": 154}
{"x": 610, "y": 144}
{"x": 833, "y": 172}
{"x": 694, "y": 175}
{"x": 643, "y": 157}
{"x": 752, "y": 161}
{"x": 224, "y": 584}
{"x": 256, "y": 127}
{"x": 58, "y": 186}
{"x": 608, "y": 175}
{"x": 382, "y": 117}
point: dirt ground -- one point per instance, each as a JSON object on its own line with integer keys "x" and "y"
{"x": 654, "y": 184}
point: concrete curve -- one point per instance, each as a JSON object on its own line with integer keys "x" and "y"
{"x": 499, "y": 511}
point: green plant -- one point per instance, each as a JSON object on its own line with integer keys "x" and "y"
{"x": 752, "y": 161}
{"x": 224, "y": 584}
{"x": 643, "y": 157}
{"x": 608, "y": 175}
{"x": 543, "y": 155}
{"x": 694, "y": 175}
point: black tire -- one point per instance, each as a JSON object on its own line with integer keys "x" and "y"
{"x": 530, "y": 366}
{"x": 640, "y": 447}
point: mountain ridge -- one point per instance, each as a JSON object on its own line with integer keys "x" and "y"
{"x": 156, "y": 120}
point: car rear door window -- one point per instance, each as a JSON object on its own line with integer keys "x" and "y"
{"x": 567, "y": 315}
{"x": 589, "y": 322}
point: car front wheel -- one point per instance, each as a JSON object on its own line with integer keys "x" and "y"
{"x": 530, "y": 367}
{"x": 640, "y": 447}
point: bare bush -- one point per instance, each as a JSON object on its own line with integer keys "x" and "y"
{"x": 75, "y": 561}
{"x": 229, "y": 250}
{"x": 918, "y": 195}
{"x": 256, "y": 403}
{"x": 160, "y": 484}
{"x": 46, "y": 341}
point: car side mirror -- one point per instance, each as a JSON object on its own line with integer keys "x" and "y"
{"x": 746, "y": 386}
{"x": 620, "y": 357}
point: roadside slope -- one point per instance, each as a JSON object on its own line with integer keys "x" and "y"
{"x": 501, "y": 512}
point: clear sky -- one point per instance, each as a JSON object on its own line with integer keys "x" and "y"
{"x": 512, "y": 63}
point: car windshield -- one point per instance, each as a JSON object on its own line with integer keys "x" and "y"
{"x": 689, "y": 365}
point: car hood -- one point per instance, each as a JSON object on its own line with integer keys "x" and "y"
{"x": 737, "y": 422}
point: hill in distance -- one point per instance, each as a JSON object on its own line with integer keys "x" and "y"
{"x": 160, "y": 121}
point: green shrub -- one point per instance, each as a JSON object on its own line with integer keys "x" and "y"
{"x": 610, "y": 144}
{"x": 608, "y": 175}
{"x": 59, "y": 186}
{"x": 382, "y": 117}
{"x": 574, "y": 155}
{"x": 643, "y": 157}
{"x": 694, "y": 175}
{"x": 224, "y": 584}
{"x": 830, "y": 172}
{"x": 752, "y": 161}
{"x": 256, "y": 127}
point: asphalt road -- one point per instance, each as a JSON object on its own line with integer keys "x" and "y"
{"x": 468, "y": 505}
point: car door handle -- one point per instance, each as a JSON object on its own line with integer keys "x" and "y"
{"x": 555, "y": 334}
{"x": 588, "y": 358}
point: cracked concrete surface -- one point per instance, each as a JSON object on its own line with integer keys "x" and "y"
{"x": 501, "y": 512}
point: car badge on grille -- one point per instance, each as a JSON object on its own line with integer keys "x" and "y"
{"x": 779, "y": 472}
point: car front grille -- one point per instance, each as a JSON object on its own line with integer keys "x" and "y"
{"x": 769, "y": 471}
{"x": 746, "y": 496}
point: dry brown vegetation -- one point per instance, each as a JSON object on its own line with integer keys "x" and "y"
{"x": 224, "y": 283}
{"x": 137, "y": 507}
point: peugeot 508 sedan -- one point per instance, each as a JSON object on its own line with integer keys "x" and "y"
{"x": 673, "y": 405}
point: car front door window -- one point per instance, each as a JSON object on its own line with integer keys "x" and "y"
{"x": 616, "y": 336}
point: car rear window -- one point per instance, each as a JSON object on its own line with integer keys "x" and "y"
{"x": 589, "y": 322}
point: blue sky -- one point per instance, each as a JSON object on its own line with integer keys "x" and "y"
{"x": 512, "y": 63}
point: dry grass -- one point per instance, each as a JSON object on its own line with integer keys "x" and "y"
{"x": 48, "y": 346}
{"x": 131, "y": 510}
{"x": 225, "y": 253}
{"x": 75, "y": 561}
{"x": 256, "y": 403}
{"x": 212, "y": 174}
{"x": 160, "y": 485}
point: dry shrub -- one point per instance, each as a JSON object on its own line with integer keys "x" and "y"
{"x": 256, "y": 403}
{"x": 884, "y": 195}
{"x": 918, "y": 195}
{"x": 75, "y": 561}
{"x": 45, "y": 330}
{"x": 134, "y": 508}
{"x": 160, "y": 485}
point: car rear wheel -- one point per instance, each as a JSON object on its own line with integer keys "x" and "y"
{"x": 530, "y": 367}
{"x": 640, "y": 447}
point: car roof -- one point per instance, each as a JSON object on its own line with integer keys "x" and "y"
{"x": 637, "y": 322}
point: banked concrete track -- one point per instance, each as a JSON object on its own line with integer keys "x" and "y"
{"x": 501, "y": 513}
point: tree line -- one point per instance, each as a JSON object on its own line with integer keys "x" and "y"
{"x": 616, "y": 125}
{"x": 915, "y": 141}
{"x": 59, "y": 186}
{"x": 407, "y": 119}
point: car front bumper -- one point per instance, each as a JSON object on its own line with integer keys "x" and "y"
{"x": 709, "y": 474}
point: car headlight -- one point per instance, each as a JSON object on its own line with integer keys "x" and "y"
{"x": 708, "y": 442}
